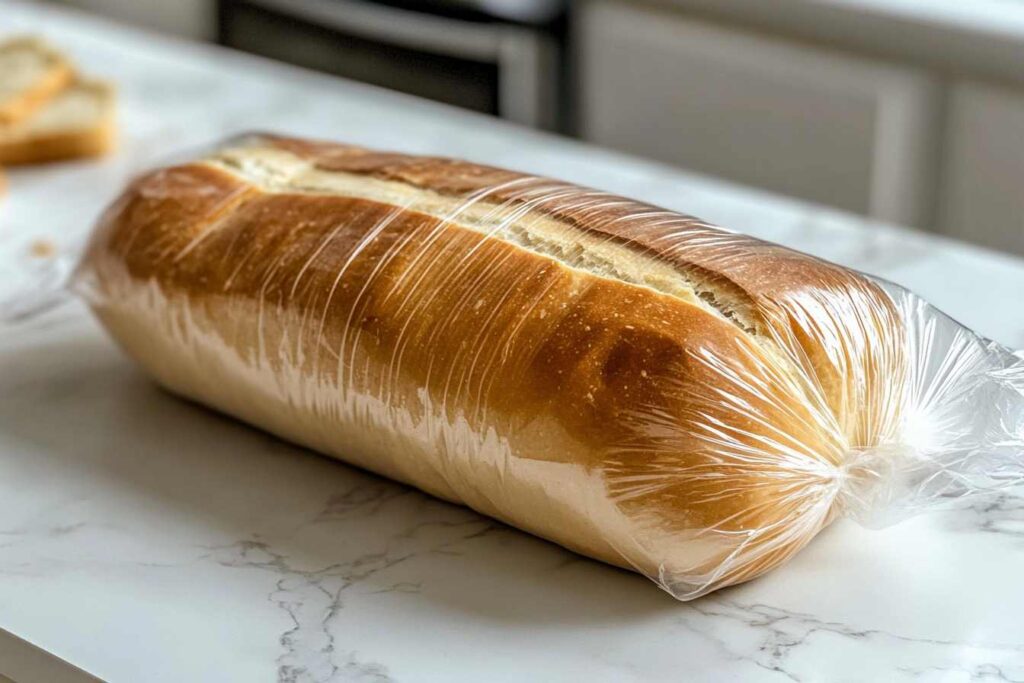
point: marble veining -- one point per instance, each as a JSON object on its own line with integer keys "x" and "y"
{"x": 313, "y": 597}
{"x": 1001, "y": 514}
{"x": 144, "y": 538}
{"x": 782, "y": 633}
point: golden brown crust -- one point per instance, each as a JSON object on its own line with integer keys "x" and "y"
{"x": 770, "y": 287}
{"x": 355, "y": 317}
{"x": 64, "y": 146}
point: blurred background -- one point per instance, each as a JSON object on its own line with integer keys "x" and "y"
{"x": 908, "y": 111}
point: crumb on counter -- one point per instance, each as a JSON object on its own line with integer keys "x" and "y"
{"x": 42, "y": 248}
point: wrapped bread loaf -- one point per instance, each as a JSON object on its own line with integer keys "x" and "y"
{"x": 628, "y": 382}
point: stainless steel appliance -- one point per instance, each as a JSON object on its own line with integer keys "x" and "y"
{"x": 504, "y": 57}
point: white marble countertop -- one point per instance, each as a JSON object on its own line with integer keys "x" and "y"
{"x": 143, "y": 538}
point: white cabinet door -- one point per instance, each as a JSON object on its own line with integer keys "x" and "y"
{"x": 806, "y": 121}
{"x": 982, "y": 198}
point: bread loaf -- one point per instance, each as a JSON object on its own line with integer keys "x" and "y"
{"x": 631, "y": 383}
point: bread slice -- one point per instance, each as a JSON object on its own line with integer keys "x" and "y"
{"x": 78, "y": 122}
{"x": 31, "y": 72}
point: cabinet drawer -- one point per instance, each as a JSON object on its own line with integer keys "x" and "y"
{"x": 801, "y": 120}
{"x": 982, "y": 198}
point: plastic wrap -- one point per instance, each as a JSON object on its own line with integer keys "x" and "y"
{"x": 628, "y": 382}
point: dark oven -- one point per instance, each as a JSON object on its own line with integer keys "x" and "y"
{"x": 502, "y": 57}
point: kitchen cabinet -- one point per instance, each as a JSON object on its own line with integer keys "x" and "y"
{"x": 982, "y": 197}
{"x": 792, "y": 117}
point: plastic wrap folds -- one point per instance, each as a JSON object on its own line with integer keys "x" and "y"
{"x": 628, "y": 382}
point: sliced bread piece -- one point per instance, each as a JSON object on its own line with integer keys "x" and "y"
{"x": 31, "y": 72}
{"x": 77, "y": 122}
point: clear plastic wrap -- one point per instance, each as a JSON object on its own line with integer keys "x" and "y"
{"x": 628, "y": 382}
